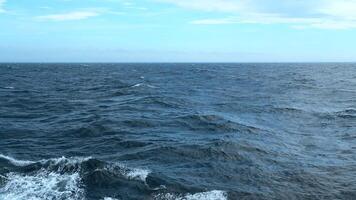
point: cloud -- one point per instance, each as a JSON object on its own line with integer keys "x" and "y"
{"x": 298, "y": 23}
{"x": 342, "y": 9}
{"x": 323, "y": 14}
{"x": 2, "y": 2}
{"x": 76, "y": 15}
{"x": 208, "y": 5}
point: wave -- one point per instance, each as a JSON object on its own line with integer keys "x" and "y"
{"x": 8, "y": 87}
{"x": 347, "y": 113}
{"x": 216, "y": 123}
{"x": 211, "y": 195}
{"x": 128, "y": 173}
{"x": 153, "y": 101}
{"x": 74, "y": 164}
{"x": 63, "y": 161}
{"x": 61, "y": 178}
{"x": 137, "y": 85}
{"x": 344, "y": 114}
{"x": 19, "y": 163}
{"x": 143, "y": 85}
{"x": 217, "y": 151}
{"x": 288, "y": 110}
{"x": 72, "y": 179}
{"x": 42, "y": 185}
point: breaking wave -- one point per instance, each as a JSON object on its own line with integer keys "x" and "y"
{"x": 212, "y": 195}
{"x": 58, "y": 178}
{"x": 42, "y": 185}
{"x": 67, "y": 178}
{"x": 15, "y": 161}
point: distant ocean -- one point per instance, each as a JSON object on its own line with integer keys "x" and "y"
{"x": 177, "y": 131}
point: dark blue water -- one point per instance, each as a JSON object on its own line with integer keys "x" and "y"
{"x": 177, "y": 131}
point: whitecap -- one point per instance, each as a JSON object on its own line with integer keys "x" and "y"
{"x": 142, "y": 84}
{"x": 53, "y": 161}
{"x": 42, "y": 185}
{"x": 62, "y": 162}
{"x": 211, "y": 195}
{"x": 140, "y": 174}
{"x": 137, "y": 85}
{"x": 4, "y": 177}
{"x": 109, "y": 198}
{"x": 66, "y": 161}
{"x": 151, "y": 86}
{"x": 58, "y": 178}
{"x": 129, "y": 173}
{"x": 48, "y": 183}
{"x": 16, "y": 162}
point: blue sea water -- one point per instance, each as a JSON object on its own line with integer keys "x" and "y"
{"x": 177, "y": 131}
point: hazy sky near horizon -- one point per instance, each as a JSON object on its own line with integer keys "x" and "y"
{"x": 177, "y": 30}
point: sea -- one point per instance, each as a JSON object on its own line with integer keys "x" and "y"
{"x": 177, "y": 131}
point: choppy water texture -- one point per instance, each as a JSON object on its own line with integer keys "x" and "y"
{"x": 177, "y": 131}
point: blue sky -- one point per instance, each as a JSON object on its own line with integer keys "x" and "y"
{"x": 177, "y": 30}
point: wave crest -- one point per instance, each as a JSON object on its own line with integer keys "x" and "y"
{"x": 212, "y": 195}
{"x": 215, "y": 123}
{"x": 60, "y": 178}
{"x": 19, "y": 163}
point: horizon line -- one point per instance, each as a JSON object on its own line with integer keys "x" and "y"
{"x": 179, "y": 62}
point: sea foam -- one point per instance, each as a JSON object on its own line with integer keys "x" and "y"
{"x": 16, "y": 162}
{"x": 128, "y": 173}
{"x": 42, "y": 185}
{"x": 54, "y": 181}
{"x": 211, "y": 195}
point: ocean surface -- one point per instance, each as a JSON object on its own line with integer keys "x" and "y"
{"x": 177, "y": 131}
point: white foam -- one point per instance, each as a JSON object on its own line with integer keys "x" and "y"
{"x": 110, "y": 198}
{"x": 211, "y": 195}
{"x": 42, "y": 185}
{"x": 16, "y": 162}
{"x": 129, "y": 173}
{"x": 137, "y": 85}
{"x": 53, "y": 181}
{"x": 142, "y": 84}
{"x": 66, "y": 161}
{"x": 9, "y": 87}
{"x": 4, "y": 177}
{"x": 140, "y": 174}
{"x": 53, "y": 161}
{"x": 151, "y": 86}
{"x": 45, "y": 183}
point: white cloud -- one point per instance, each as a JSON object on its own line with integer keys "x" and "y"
{"x": 324, "y": 14}
{"x": 76, "y": 15}
{"x": 298, "y": 23}
{"x": 343, "y": 9}
{"x": 2, "y": 2}
{"x": 208, "y": 5}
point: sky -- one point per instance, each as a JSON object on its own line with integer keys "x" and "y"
{"x": 177, "y": 30}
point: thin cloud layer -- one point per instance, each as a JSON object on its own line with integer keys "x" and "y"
{"x": 208, "y": 5}
{"x": 326, "y": 14}
{"x": 342, "y": 9}
{"x": 75, "y": 15}
{"x": 2, "y": 2}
